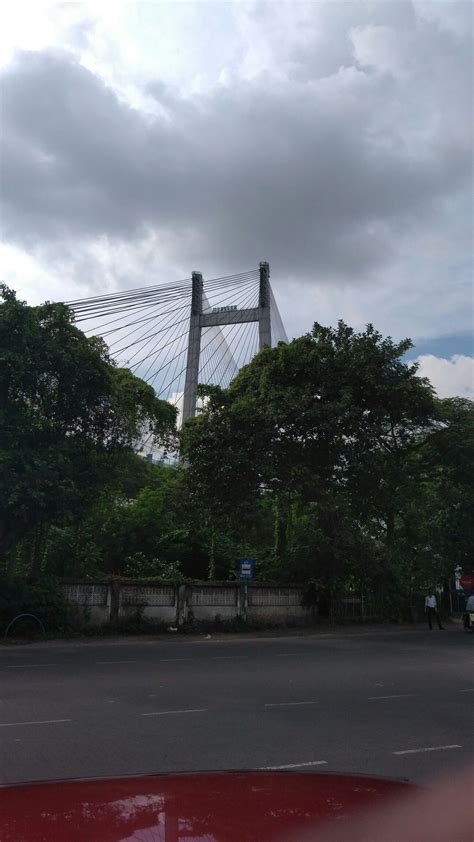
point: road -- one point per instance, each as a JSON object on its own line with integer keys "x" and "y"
{"x": 386, "y": 703}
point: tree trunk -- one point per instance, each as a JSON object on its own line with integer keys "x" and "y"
{"x": 212, "y": 556}
{"x": 76, "y": 559}
{"x": 37, "y": 549}
{"x": 281, "y": 526}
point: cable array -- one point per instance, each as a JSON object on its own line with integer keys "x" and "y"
{"x": 278, "y": 328}
{"x": 146, "y": 330}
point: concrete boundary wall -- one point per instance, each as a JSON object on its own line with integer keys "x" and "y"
{"x": 100, "y": 603}
{"x": 156, "y": 602}
{"x": 207, "y": 601}
{"x": 93, "y": 601}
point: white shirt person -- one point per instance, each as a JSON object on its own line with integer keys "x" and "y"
{"x": 470, "y": 603}
{"x": 431, "y": 608}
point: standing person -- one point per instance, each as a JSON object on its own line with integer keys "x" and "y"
{"x": 431, "y": 608}
{"x": 470, "y": 602}
{"x": 468, "y": 610}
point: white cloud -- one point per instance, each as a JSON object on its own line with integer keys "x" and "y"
{"x": 330, "y": 138}
{"x": 452, "y": 377}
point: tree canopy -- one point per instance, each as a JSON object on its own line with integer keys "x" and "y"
{"x": 66, "y": 411}
{"x": 328, "y": 460}
{"x": 318, "y": 416}
{"x": 341, "y": 433}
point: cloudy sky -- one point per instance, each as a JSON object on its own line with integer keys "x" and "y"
{"x": 143, "y": 140}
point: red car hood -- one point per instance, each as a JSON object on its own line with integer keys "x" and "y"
{"x": 205, "y": 807}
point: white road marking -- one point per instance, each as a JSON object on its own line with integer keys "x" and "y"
{"x": 395, "y": 696}
{"x": 287, "y": 704}
{"x": 285, "y": 655}
{"x": 226, "y": 657}
{"x": 167, "y": 660}
{"x": 430, "y": 748}
{"x": 294, "y": 765}
{"x": 28, "y": 666}
{"x": 467, "y": 690}
{"x": 167, "y": 712}
{"x": 37, "y": 722}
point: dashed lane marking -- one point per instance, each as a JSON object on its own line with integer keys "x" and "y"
{"x": 293, "y": 765}
{"x": 287, "y": 704}
{"x": 429, "y": 748}
{"x": 33, "y": 722}
{"x": 394, "y": 696}
{"x": 27, "y": 666}
{"x": 171, "y": 712}
{"x": 169, "y": 660}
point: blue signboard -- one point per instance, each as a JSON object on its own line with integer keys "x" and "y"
{"x": 246, "y": 569}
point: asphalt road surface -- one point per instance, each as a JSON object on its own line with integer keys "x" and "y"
{"x": 386, "y": 703}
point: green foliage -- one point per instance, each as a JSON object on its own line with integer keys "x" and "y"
{"x": 139, "y": 526}
{"x": 66, "y": 415}
{"x": 138, "y": 566}
{"x": 328, "y": 461}
{"x": 303, "y": 415}
{"x": 44, "y": 599}
{"x": 139, "y": 411}
{"x": 446, "y": 470}
{"x": 322, "y": 427}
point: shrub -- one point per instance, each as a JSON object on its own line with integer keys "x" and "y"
{"x": 44, "y": 599}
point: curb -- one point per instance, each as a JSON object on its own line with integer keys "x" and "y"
{"x": 326, "y": 633}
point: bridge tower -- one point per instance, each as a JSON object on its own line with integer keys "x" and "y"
{"x": 218, "y": 317}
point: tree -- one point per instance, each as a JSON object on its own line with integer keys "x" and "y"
{"x": 139, "y": 525}
{"x": 445, "y": 510}
{"x": 66, "y": 414}
{"x": 325, "y": 420}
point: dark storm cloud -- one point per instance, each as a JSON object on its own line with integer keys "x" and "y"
{"x": 322, "y": 176}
